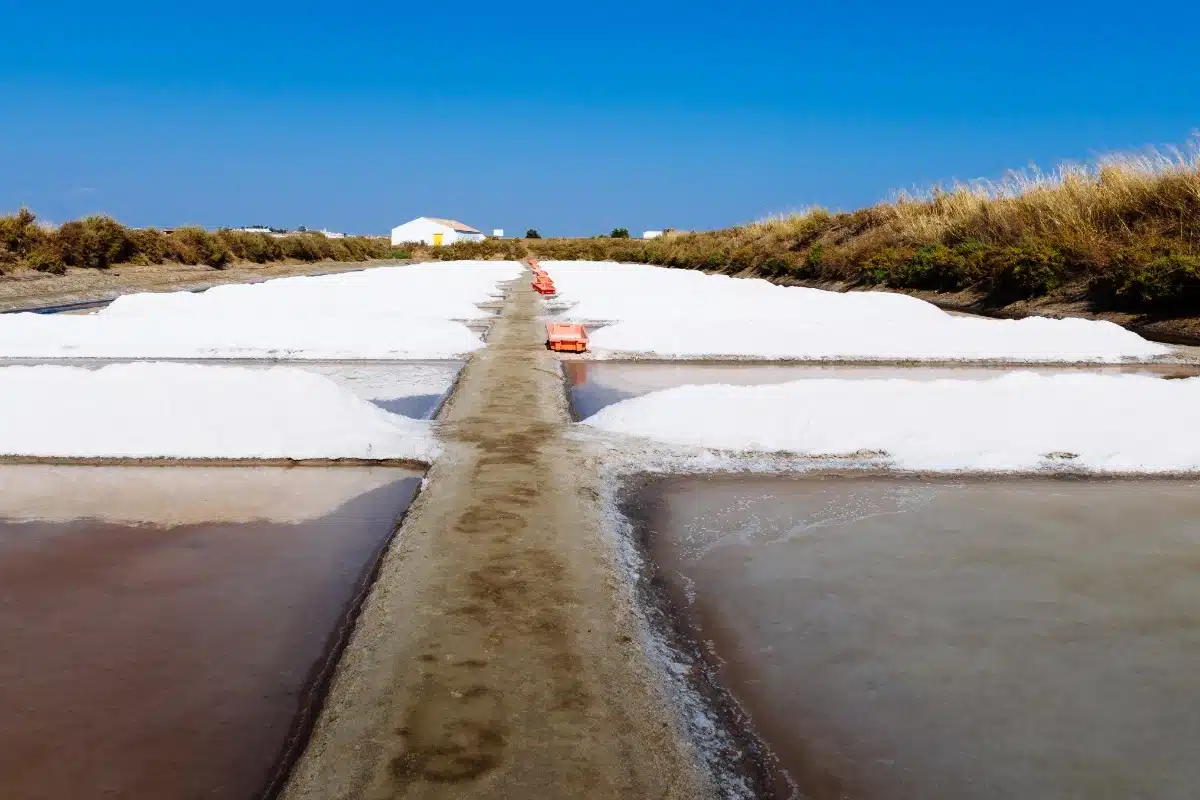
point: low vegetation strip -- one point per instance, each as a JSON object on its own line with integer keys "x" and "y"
{"x": 100, "y": 242}
{"x": 1124, "y": 235}
{"x": 487, "y": 250}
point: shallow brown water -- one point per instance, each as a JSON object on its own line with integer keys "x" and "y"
{"x": 906, "y": 638}
{"x": 153, "y": 650}
{"x": 593, "y": 385}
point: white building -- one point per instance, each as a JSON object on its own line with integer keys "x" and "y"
{"x": 331, "y": 234}
{"x": 498, "y": 233}
{"x": 435, "y": 231}
{"x": 651, "y": 234}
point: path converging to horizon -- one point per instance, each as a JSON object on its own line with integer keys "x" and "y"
{"x": 494, "y": 657}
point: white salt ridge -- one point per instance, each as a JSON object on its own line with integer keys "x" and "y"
{"x": 186, "y": 411}
{"x": 437, "y": 290}
{"x": 679, "y": 313}
{"x": 383, "y": 313}
{"x": 249, "y": 336}
{"x": 1022, "y": 421}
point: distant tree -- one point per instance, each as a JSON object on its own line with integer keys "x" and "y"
{"x": 532, "y": 234}
{"x": 620, "y": 233}
{"x": 302, "y": 229}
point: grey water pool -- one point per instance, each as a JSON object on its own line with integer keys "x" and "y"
{"x": 912, "y": 638}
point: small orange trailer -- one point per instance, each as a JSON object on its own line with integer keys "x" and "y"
{"x": 566, "y": 337}
{"x": 543, "y": 285}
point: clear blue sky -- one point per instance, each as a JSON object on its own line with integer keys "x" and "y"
{"x": 566, "y": 117}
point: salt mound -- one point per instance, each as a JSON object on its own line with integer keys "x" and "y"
{"x": 688, "y": 314}
{"x": 409, "y": 312}
{"x": 157, "y": 410}
{"x": 1021, "y": 421}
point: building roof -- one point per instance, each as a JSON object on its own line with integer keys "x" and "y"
{"x": 453, "y": 224}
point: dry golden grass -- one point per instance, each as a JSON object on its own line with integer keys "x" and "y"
{"x": 1127, "y": 228}
{"x": 1085, "y": 205}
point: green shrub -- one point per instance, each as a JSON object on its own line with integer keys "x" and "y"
{"x": 19, "y": 236}
{"x": 620, "y": 233}
{"x": 258, "y": 248}
{"x": 78, "y": 245}
{"x": 300, "y": 247}
{"x": 198, "y": 246}
{"x": 339, "y": 250}
{"x": 804, "y": 230}
{"x": 814, "y": 258}
{"x": 933, "y": 266}
{"x": 532, "y": 234}
{"x": 741, "y": 259}
{"x": 1137, "y": 279}
{"x": 111, "y": 240}
{"x": 93, "y": 243}
{"x": 150, "y": 246}
{"x": 46, "y": 257}
{"x": 1025, "y": 271}
{"x": 885, "y": 265}
{"x": 775, "y": 265}
{"x": 974, "y": 259}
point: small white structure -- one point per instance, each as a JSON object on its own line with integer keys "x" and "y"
{"x": 497, "y": 233}
{"x": 331, "y": 234}
{"x": 435, "y": 231}
{"x": 651, "y": 234}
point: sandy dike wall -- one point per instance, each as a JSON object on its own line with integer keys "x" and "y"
{"x": 499, "y": 653}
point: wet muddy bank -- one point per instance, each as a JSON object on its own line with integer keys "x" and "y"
{"x": 167, "y": 636}
{"x": 234, "y": 463}
{"x": 320, "y": 679}
{"x": 915, "y": 636}
{"x": 737, "y": 756}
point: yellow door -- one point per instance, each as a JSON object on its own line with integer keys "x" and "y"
{"x": 437, "y": 240}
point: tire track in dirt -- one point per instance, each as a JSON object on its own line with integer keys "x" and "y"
{"x": 495, "y": 656}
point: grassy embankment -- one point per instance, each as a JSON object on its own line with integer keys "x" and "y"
{"x": 1122, "y": 236}
{"x": 100, "y": 242}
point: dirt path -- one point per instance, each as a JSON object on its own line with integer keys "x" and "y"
{"x": 35, "y": 289}
{"x": 494, "y": 657}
